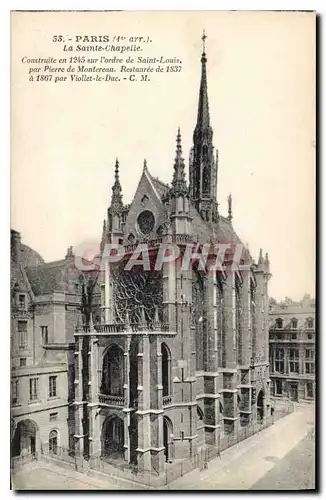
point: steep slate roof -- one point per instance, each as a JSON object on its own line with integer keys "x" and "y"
{"x": 160, "y": 186}
{"x": 47, "y": 277}
{"x": 30, "y": 257}
{"x": 223, "y": 231}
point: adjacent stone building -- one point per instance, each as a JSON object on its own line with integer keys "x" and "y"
{"x": 45, "y": 303}
{"x": 180, "y": 357}
{"x": 292, "y": 338}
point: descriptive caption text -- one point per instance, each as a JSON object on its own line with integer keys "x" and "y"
{"x": 100, "y": 58}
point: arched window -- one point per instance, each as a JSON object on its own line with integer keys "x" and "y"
{"x": 279, "y": 323}
{"x": 167, "y": 438}
{"x": 220, "y": 322}
{"x": 198, "y": 319}
{"x": 112, "y": 381}
{"x": 206, "y": 180}
{"x": 238, "y": 314}
{"x": 53, "y": 442}
{"x": 166, "y": 370}
{"x": 113, "y": 437}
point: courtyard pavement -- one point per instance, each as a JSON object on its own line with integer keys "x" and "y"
{"x": 250, "y": 464}
{"x": 280, "y": 457}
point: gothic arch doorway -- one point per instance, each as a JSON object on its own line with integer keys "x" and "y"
{"x": 167, "y": 438}
{"x": 113, "y": 437}
{"x": 260, "y": 405}
{"x": 25, "y": 438}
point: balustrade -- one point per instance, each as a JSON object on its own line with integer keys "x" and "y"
{"x": 122, "y": 327}
{"x": 167, "y": 400}
{"x": 111, "y": 400}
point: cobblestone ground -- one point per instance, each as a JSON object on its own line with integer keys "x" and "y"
{"x": 296, "y": 471}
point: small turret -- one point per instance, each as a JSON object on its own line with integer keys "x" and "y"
{"x": 69, "y": 253}
{"x": 267, "y": 263}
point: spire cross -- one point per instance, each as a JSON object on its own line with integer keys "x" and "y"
{"x": 204, "y": 41}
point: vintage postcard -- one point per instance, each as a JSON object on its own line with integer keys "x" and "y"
{"x": 162, "y": 202}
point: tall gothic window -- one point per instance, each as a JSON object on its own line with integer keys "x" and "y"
{"x": 198, "y": 319}
{"x": 206, "y": 180}
{"x": 220, "y": 323}
{"x": 253, "y": 316}
{"x": 166, "y": 369}
{"x": 238, "y": 317}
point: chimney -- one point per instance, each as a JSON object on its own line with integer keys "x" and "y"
{"x": 15, "y": 246}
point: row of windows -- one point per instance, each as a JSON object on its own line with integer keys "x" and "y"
{"x": 294, "y": 323}
{"x": 293, "y": 367}
{"x": 33, "y": 389}
{"x": 23, "y": 338}
{"x": 279, "y": 353}
{"x": 278, "y": 389}
{"x": 292, "y": 336}
{"x": 293, "y": 361}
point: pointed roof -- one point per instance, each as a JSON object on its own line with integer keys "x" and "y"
{"x": 179, "y": 184}
{"x": 116, "y": 200}
{"x": 203, "y": 121}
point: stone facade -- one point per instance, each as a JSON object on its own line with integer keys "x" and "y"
{"x": 45, "y": 303}
{"x": 292, "y": 337}
{"x": 180, "y": 357}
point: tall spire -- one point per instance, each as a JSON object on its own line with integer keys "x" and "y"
{"x": 203, "y": 122}
{"x": 116, "y": 200}
{"x": 203, "y": 165}
{"x": 179, "y": 185}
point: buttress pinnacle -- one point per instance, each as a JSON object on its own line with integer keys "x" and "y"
{"x": 116, "y": 201}
{"x": 179, "y": 185}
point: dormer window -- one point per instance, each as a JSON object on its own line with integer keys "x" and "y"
{"x": 279, "y": 323}
{"x": 22, "y": 301}
{"x": 294, "y": 323}
{"x": 310, "y": 323}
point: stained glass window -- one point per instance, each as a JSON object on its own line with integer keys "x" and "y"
{"x": 146, "y": 222}
{"x": 137, "y": 290}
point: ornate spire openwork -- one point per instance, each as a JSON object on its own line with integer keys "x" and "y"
{"x": 179, "y": 184}
{"x": 116, "y": 200}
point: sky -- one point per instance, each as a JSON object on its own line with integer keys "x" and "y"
{"x": 261, "y": 85}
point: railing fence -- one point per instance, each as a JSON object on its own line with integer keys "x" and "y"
{"x": 129, "y": 472}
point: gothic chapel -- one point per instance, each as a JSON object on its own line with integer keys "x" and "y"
{"x": 180, "y": 358}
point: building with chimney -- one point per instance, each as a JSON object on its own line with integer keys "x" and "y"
{"x": 292, "y": 339}
{"x": 180, "y": 358}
